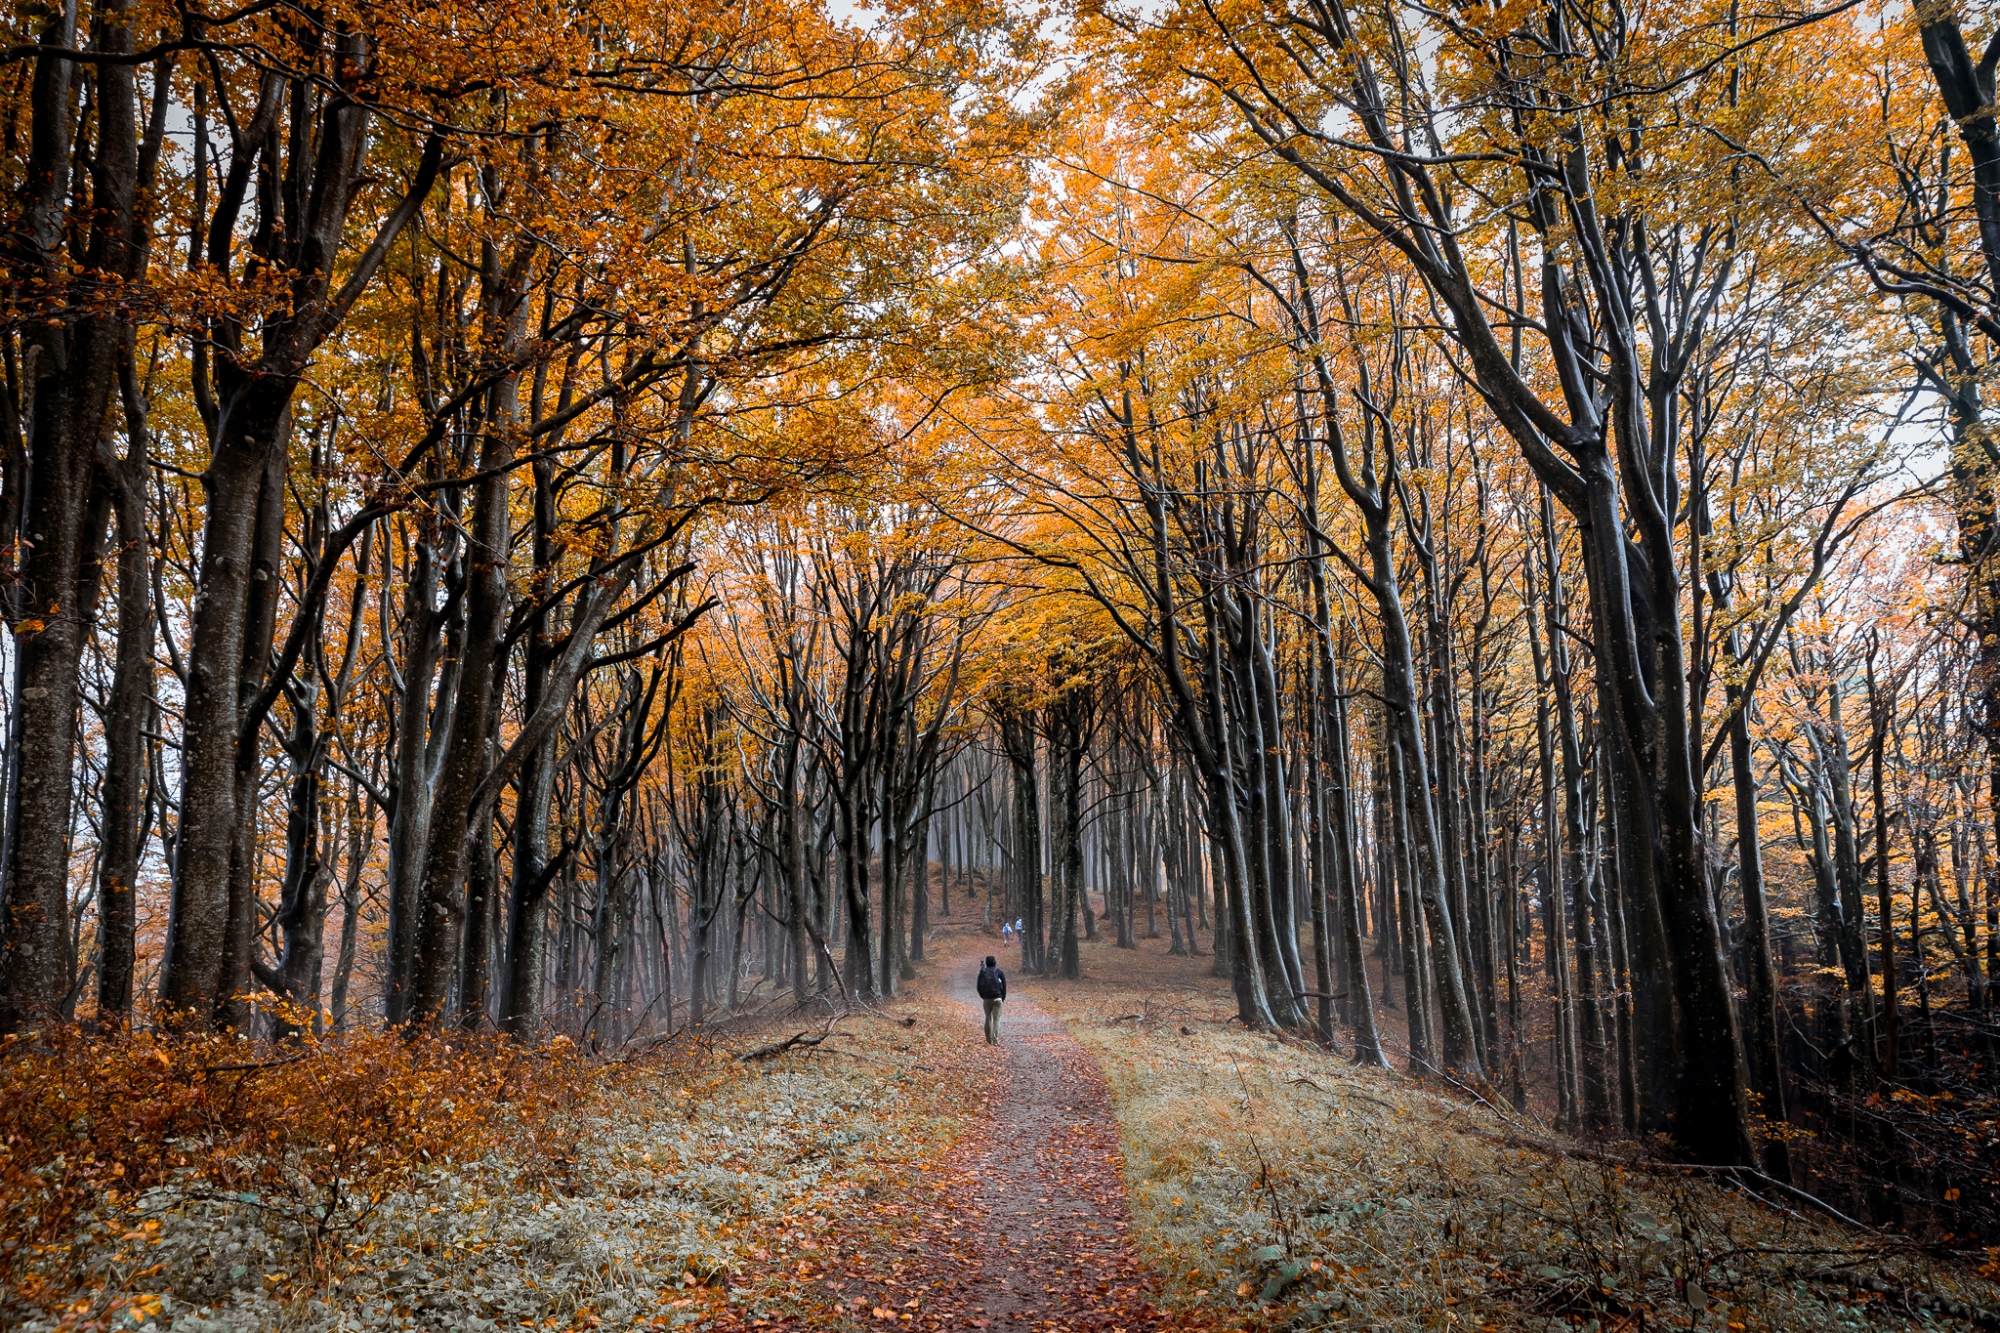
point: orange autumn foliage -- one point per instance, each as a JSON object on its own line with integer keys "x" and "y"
{"x": 319, "y": 1130}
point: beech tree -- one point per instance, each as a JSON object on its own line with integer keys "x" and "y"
{"x": 1475, "y": 525}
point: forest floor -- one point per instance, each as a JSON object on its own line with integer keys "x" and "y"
{"x": 1020, "y": 1225}
{"x": 1129, "y": 1158}
{"x": 1273, "y": 1184}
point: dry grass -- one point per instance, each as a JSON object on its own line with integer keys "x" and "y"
{"x": 661, "y": 1197}
{"x": 1270, "y": 1183}
{"x": 1284, "y": 1184}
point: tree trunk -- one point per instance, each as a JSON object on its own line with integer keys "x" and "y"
{"x": 125, "y": 719}
{"x": 73, "y": 369}
{"x": 1766, "y": 1075}
{"x": 360, "y": 823}
{"x": 195, "y": 973}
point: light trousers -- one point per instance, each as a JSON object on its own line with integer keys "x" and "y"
{"x": 992, "y": 1019}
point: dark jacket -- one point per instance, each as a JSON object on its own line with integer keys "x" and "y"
{"x": 992, "y": 983}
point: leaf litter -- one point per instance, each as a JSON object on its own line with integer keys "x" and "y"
{"x": 1128, "y": 1160}
{"x": 1019, "y": 1222}
{"x": 1279, "y": 1186}
{"x": 649, "y": 1204}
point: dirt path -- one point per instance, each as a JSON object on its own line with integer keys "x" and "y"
{"x": 1023, "y": 1225}
{"x": 1052, "y": 1237}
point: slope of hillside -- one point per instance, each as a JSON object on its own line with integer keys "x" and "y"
{"x": 1287, "y": 1187}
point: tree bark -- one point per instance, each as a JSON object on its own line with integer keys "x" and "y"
{"x": 70, "y": 368}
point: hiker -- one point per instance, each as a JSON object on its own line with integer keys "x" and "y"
{"x": 1006, "y": 933}
{"x": 992, "y": 988}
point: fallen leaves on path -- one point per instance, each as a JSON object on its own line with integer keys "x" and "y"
{"x": 1019, "y": 1223}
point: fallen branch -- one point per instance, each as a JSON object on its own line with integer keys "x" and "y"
{"x": 797, "y": 1040}
{"x": 1798, "y": 1195}
{"x": 780, "y": 1047}
{"x": 1390, "y": 1107}
{"x": 635, "y": 1050}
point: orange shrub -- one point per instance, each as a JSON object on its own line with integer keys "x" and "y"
{"x": 318, "y": 1129}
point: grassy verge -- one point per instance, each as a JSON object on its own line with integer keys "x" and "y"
{"x": 1291, "y": 1189}
{"x": 674, "y": 1188}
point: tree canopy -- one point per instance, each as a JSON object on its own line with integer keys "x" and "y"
{"x": 553, "y": 517}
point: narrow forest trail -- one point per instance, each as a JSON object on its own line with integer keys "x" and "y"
{"x": 1048, "y": 1194}
{"x": 1022, "y": 1224}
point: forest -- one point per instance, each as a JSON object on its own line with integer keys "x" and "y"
{"x": 562, "y": 558}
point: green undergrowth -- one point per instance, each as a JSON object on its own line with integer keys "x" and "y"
{"x": 1286, "y": 1187}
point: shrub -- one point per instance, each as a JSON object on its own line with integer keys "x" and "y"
{"x": 317, "y": 1129}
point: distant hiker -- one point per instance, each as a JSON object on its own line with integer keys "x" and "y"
{"x": 1006, "y": 933}
{"x": 992, "y": 988}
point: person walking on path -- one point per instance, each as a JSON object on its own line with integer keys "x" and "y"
{"x": 992, "y": 988}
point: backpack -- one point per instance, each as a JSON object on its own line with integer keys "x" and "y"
{"x": 990, "y": 983}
